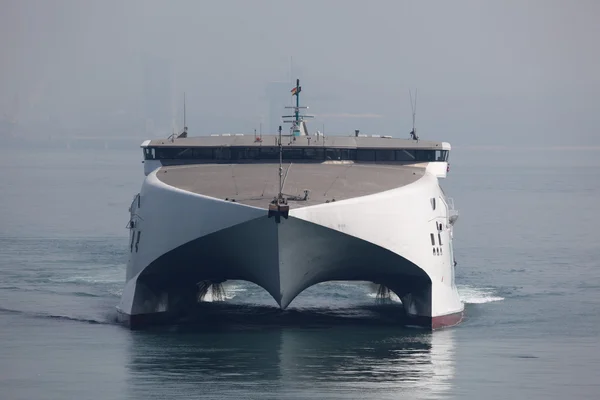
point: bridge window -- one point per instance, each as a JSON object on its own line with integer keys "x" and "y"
{"x": 314, "y": 154}
{"x": 384, "y": 155}
{"x": 222, "y": 153}
{"x": 292, "y": 153}
{"x": 333, "y": 154}
{"x": 167, "y": 152}
{"x": 202, "y": 153}
{"x": 405, "y": 155}
{"x": 365, "y": 155}
{"x": 425, "y": 155}
{"x": 244, "y": 153}
{"x": 149, "y": 153}
{"x": 340, "y": 154}
{"x": 350, "y": 154}
{"x": 269, "y": 153}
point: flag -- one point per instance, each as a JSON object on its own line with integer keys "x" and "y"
{"x": 296, "y": 90}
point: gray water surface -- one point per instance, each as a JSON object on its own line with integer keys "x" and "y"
{"x": 528, "y": 268}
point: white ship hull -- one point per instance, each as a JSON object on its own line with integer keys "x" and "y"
{"x": 181, "y": 238}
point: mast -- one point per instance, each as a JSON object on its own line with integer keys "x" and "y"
{"x": 280, "y": 194}
{"x": 297, "y": 111}
{"x": 297, "y": 117}
{"x": 413, "y": 106}
{"x": 183, "y": 134}
{"x": 278, "y": 207}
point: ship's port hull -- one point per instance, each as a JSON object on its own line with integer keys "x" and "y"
{"x": 181, "y": 238}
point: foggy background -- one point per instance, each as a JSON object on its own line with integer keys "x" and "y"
{"x": 512, "y": 73}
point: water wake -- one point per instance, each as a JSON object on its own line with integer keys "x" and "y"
{"x": 110, "y": 319}
{"x": 472, "y": 295}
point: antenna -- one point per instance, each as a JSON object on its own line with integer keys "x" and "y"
{"x": 297, "y": 127}
{"x": 280, "y": 195}
{"x": 413, "y": 106}
{"x": 279, "y": 207}
{"x": 183, "y": 134}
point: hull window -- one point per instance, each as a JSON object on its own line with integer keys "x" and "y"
{"x": 432, "y": 239}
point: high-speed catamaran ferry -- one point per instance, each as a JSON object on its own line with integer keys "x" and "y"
{"x": 286, "y": 212}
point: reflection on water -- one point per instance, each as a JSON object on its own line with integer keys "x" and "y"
{"x": 248, "y": 359}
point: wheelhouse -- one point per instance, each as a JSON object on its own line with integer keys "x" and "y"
{"x": 234, "y": 154}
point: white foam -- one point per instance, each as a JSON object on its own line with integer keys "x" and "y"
{"x": 99, "y": 278}
{"x": 233, "y": 288}
{"x": 393, "y": 297}
{"x": 230, "y": 291}
{"x": 472, "y": 295}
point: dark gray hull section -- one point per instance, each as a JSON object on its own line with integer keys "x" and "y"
{"x": 284, "y": 258}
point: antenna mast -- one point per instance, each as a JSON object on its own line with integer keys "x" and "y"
{"x": 280, "y": 194}
{"x": 297, "y": 117}
{"x": 279, "y": 207}
{"x": 413, "y": 106}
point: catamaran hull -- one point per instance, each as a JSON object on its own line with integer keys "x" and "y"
{"x": 399, "y": 238}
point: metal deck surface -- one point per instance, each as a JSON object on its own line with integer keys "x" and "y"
{"x": 257, "y": 184}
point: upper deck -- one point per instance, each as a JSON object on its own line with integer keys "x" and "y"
{"x": 298, "y": 147}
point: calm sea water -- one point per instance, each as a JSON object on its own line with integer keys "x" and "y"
{"x": 528, "y": 255}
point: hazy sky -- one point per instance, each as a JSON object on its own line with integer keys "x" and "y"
{"x": 487, "y": 72}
